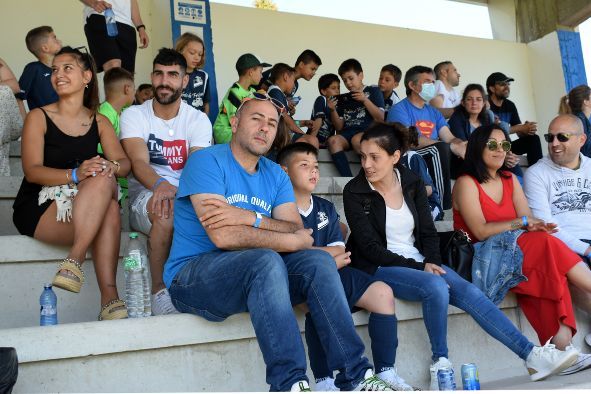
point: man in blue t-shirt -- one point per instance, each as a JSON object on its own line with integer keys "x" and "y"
{"x": 234, "y": 213}
{"x": 435, "y": 137}
{"x": 356, "y": 111}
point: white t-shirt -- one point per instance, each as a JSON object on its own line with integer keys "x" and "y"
{"x": 168, "y": 141}
{"x": 399, "y": 227}
{"x": 121, "y": 9}
{"x": 451, "y": 98}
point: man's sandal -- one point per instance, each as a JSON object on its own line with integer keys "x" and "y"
{"x": 113, "y": 310}
{"x": 69, "y": 276}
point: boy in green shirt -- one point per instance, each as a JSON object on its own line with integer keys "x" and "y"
{"x": 119, "y": 93}
{"x": 250, "y": 72}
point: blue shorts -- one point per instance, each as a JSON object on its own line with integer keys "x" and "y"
{"x": 355, "y": 282}
{"x": 349, "y": 134}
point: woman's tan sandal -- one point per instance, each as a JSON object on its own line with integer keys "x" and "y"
{"x": 69, "y": 276}
{"x": 113, "y": 310}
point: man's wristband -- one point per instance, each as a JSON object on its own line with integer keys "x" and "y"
{"x": 257, "y": 221}
{"x": 159, "y": 181}
{"x": 139, "y": 27}
{"x": 524, "y": 221}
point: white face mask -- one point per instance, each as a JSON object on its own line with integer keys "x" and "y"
{"x": 427, "y": 92}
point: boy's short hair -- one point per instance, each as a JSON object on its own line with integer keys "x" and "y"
{"x": 350, "y": 65}
{"x": 308, "y": 56}
{"x": 412, "y": 75}
{"x": 285, "y": 154}
{"x": 326, "y": 80}
{"x": 280, "y": 69}
{"x": 115, "y": 75}
{"x": 440, "y": 66}
{"x": 144, "y": 86}
{"x": 394, "y": 70}
{"x": 170, "y": 57}
{"x": 37, "y": 37}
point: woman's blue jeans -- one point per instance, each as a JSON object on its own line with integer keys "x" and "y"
{"x": 437, "y": 292}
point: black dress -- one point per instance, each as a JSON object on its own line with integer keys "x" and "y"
{"x": 60, "y": 151}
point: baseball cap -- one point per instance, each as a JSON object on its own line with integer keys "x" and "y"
{"x": 248, "y": 60}
{"x": 497, "y": 77}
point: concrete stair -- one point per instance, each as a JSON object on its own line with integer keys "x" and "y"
{"x": 187, "y": 353}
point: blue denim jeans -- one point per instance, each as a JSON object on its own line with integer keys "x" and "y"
{"x": 266, "y": 284}
{"x": 437, "y": 292}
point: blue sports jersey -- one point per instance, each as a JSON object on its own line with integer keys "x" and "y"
{"x": 428, "y": 120}
{"x": 35, "y": 84}
{"x": 322, "y": 111}
{"x": 276, "y": 93}
{"x": 323, "y": 219}
{"x": 196, "y": 94}
{"x": 354, "y": 114}
{"x": 214, "y": 170}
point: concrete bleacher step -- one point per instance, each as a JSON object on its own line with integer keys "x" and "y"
{"x": 187, "y": 353}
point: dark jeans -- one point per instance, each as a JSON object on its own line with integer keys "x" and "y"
{"x": 8, "y": 369}
{"x": 529, "y": 145}
{"x": 266, "y": 284}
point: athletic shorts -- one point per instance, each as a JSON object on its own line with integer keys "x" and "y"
{"x": 349, "y": 134}
{"x": 104, "y": 48}
{"x": 355, "y": 282}
{"x": 138, "y": 212}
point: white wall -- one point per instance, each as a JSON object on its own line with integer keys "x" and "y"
{"x": 281, "y": 37}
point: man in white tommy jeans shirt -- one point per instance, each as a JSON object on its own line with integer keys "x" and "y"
{"x": 158, "y": 136}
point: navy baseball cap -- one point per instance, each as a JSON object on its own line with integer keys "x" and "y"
{"x": 497, "y": 77}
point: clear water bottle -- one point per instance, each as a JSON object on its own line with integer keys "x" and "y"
{"x": 137, "y": 285}
{"x": 48, "y": 302}
{"x": 111, "y": 23}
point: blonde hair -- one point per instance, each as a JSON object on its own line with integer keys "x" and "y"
{"x": 187, "y": 38}
{"x": 573, "y": 102}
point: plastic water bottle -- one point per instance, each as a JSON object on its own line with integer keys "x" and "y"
{"x": 137, "y": 285}
{"x": 48, "y": 302}
{"x": 111, "y": 23}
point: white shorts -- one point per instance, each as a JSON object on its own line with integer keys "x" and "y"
{"x": 138, "y": 212}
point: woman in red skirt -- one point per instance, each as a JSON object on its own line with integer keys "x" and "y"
{"x": 488, "y": 200}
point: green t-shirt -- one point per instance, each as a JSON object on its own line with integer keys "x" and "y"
{"x": 110, "y": 113}
{"x": 222, "y": 131}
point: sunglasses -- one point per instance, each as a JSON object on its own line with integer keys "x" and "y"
{"x": 493, "y": 145}
{"x": 562, "y": 137}
{"x": 263, "y": 97}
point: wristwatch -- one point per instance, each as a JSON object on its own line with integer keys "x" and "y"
{"x": 257, "y": 221}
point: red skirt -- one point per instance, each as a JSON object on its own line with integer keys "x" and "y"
{"x": 545, "y": 298}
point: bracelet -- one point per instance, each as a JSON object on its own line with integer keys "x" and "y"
{"x": 67, "y": 176}
{"x": 258, "y": 220}
{"x": 75, "y": 175}
{"x": 524, "y": 221}
{"x": 116, "y": 163}
{"x": 139, "y": 27}
{"x": 297, "y": 123}
{"x": 159, "y": 181}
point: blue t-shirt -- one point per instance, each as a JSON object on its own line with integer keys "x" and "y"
{"x": 196, "y": 94}
{"x": 35, "y": 84}
{"x": 276, "y": 93}
{"x": 354, "y": 113}
{"x": 214, "y": 170}
{"x": 322, "y": 111}
{"x": 428, "y": 120}
{"x": 323, "y": 219}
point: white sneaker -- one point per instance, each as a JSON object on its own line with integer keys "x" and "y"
{"x": 371, "y": 382}
{"x": 588, "y": 339}
{"x": 325, "y": 384}
{"x": 583, "y": 362}
{"x": 442, "y": 363}
{"x": 162, "y": 304}
{"x": 547, "y": 360}
{"x": 301, "y": 386}
{"x": 391, "y": 377}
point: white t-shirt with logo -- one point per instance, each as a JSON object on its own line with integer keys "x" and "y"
{"x": 121, "y": 9}
{"x": 168, "y": 141}
{"x": 451, "y": 98}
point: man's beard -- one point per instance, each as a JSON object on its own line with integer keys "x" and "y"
{"x": 167, "y": 100}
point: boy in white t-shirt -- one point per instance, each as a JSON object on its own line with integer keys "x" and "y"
{"x": 158, "y": 136}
